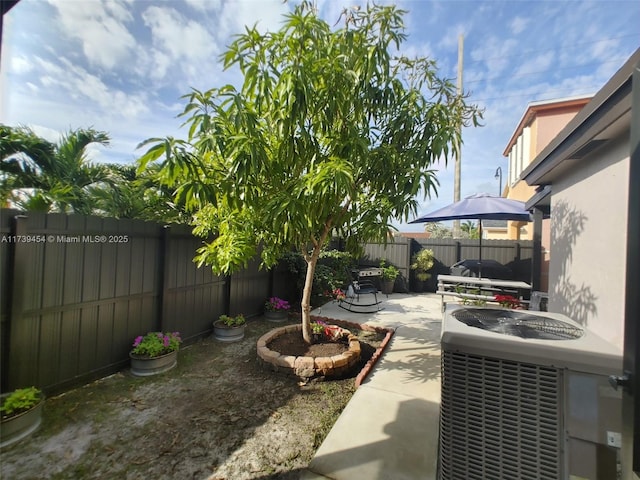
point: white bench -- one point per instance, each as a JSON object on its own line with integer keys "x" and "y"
{"x": 480, "y": 289}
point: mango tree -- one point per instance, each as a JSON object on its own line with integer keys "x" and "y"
{"x": 332, "y": 131}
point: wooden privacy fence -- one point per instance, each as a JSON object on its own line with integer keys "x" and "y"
{"x": 396, "y": 252}
{"x": 515, "y": 254}
{"x": 76, "y": 290}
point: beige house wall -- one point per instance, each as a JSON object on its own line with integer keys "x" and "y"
{"x": 588, "y": 245}
{"x": 543, "y": 126}
{"x": 548, "y": 125}
{"x": 495, "y": 234}
{"x": 518, "y": 230}
{"x": 546, "y": 255}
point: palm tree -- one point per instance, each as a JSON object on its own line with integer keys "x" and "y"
{"x": 39, "y": 175}
{"x": 469, "y": 229}
{"x": 133, "y": 194}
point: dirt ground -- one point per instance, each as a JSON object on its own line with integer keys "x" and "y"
{"x": 218, "y": 415}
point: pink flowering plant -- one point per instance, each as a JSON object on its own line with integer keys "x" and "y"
{"x": 155, "y": 344}
{"x": 275, "y": 304}
{"x": 339, "y": 294}
{"x": 335, "y": 294}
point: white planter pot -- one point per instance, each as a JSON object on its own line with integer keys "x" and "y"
{"x": 277, "y": 316}
{"x": 16, "y": 428}
{"x": 144, "y": 366}
{"x": 228, "y": 334}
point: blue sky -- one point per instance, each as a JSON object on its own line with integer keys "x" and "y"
{"x": 122, "y": 65}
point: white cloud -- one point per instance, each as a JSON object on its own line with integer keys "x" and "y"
{"x": 451, "y": 38}
{"x": 20, "y": 65}
{"x": 87, "y": 88}
{"x": 47, "y": 133}
{"x": 538, "y": 64}
{"x": 495, "y": 53}
{"x": 100, "y": 27}
{"x": 183, "y": 49}
{"x": 518, "y": 25}
{"x": 418, "y": 50}
{"x": 204, "y": 5}
{"x": 177, "y": 36}
{"x": 267, "y": 14}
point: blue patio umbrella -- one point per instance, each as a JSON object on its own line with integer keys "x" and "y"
{"x": 480, "y": 206}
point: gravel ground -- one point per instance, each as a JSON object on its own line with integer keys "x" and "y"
{"x": 218, "y": 415}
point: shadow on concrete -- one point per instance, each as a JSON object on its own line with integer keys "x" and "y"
{"x": 404, "y": 448}
{"x": 414, "y": 353}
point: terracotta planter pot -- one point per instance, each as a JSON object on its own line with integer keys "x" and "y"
{"x": 228, "y": 334}
{"x": 145, "y": 366}
{"x": 16, "y": 428}
{"x": 276, "y": 316}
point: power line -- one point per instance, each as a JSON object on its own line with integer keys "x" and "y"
{"x": 522, "y": 53}
{"x": 538, "y": 72}
{"x": 529, "y": 95}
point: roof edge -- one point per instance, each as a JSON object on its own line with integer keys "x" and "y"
{"x": 541, "y": 105}
{"x": 533, "y": 172}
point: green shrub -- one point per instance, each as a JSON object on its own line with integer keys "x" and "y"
{"x": 20, "y": 401}
{"x": 389, "y": 272}
{"x": 422, "y": 262}
{"x": 333, "y": 270}
{"x": 232, "y": 321}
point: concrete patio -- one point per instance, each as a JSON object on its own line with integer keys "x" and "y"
{"x": 389, "y": 428}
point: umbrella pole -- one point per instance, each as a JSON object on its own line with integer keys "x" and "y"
{"x": 480, "y": 254}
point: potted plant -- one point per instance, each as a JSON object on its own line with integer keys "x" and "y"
{"x": 154, "y": 353}
{"x": 422, "y": 262}
{"x": 276, "y": 309}
{"x": 389, "y": 275}
{"x": 317, "y": 331}
{"x": 229, "y": 329}
{"x": 20, "y": 414}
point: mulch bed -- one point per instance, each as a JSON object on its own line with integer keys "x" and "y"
{"x": 373, "y": 341}
{"x": 292, "y": 343}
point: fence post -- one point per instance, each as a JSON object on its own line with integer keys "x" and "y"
{"x": 227, "y": 294}
{"x": 536, "y": 254}
{"x": 163, "y": 254}
{"x": 17, "y": 254}
{"x": 458, "y": 251}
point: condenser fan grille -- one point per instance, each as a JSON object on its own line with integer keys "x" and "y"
{"x": 518, "y": 324}
{"x": 500, "y": 420}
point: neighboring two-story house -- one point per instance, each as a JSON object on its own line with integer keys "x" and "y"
{"x": 539, "y": 124}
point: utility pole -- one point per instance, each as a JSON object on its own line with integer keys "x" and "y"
{"x": 456, "y": 174}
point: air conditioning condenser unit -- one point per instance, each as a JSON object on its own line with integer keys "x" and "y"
{"x": 525, "y": 395}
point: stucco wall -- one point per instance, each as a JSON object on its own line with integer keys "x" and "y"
{"x": 546, "y": 255}
{"x": 588, "y": 241}
{"x": 549, "y": 124}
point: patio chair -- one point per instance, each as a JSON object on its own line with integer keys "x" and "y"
{"x": 354, "y": 290}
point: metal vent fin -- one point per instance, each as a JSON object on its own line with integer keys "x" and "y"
{"x": 499, "y": 419}
{"x": 518, "y": 324}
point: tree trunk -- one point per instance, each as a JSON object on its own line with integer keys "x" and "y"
{"x": 312, "y": 261}
{"x": 306, "y": 294}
